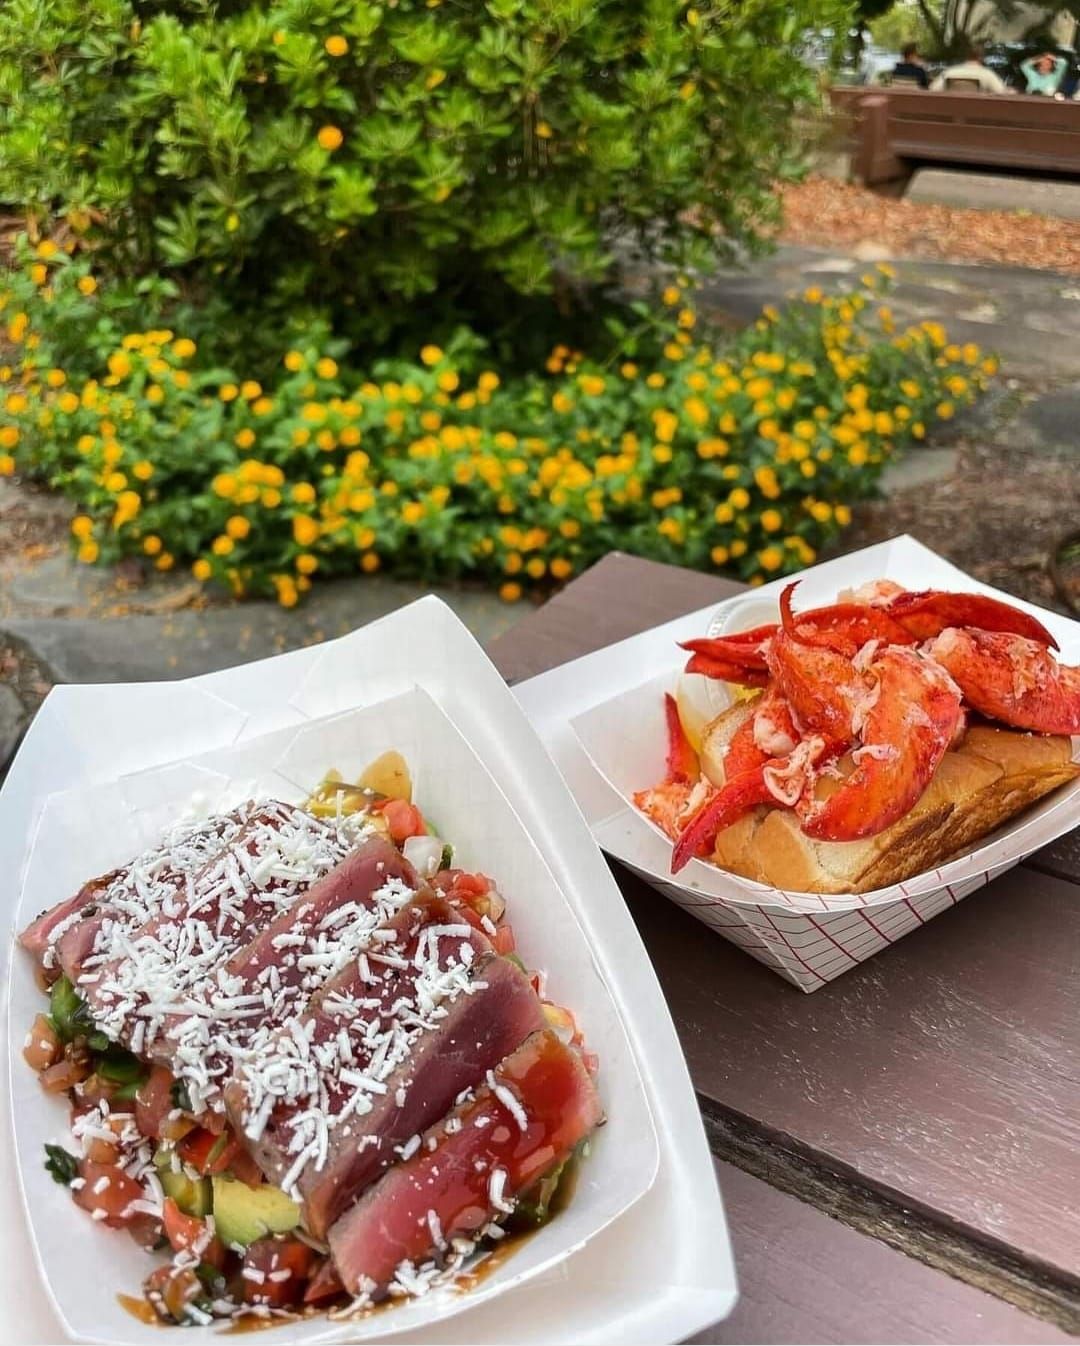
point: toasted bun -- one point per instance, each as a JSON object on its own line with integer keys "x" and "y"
{"x": 988, "y": 778}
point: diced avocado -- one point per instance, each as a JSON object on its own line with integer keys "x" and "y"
{"x": 192, "y": 1195}
{"x": 243, "y": 1214}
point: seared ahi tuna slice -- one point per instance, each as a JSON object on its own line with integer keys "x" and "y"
{"x": 313, "y": 940}
{"x": 172, "y": 968}
{"x": 386, "y": 1048}
{"x": 133, "y": 893}
{"x": 303, "y": 949}
{"x": 152, "y": 883}
{"x": 45, "y": 930}
{"x": 464, "y": 1174}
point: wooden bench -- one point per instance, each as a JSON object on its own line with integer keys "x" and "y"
{"x": 893, "y": 131}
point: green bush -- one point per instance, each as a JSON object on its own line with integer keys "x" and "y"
{"x": 743, "y": 459}
{"x": 349, "y": 158}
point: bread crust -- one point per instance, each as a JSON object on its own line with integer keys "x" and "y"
{"x": 988, "y": 778}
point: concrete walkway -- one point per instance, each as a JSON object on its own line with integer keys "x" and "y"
{"x": 993, "y": 492}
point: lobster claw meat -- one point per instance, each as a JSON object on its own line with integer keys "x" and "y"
{"x": 1011, "y": 679}
{"x": 682, "y": 760}
{"x": 727, "y": 806}
{"x": 906, "y": 731}
{"x": 739, "y": 658}
{"x": 927, "y": 614}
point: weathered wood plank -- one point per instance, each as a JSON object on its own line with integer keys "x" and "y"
{"x": 806, "y": 1277}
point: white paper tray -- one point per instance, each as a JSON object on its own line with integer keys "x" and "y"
{"x": 602, "y": 719}
{"x": 218, "y": 735}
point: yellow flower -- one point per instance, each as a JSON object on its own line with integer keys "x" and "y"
{"x": 857, "y": 455}
{"x": 738, "y": 548}
{"x": 739, "y": 498}
{"x": 202, "y": 569}
{"x": 990, "y": 365}
{"x": 687, "y": 90}
{"x": 488, "y": 381}
{"x": 115, "y": 482}
{"x": 270, "y": 498}
{"x": 336, "y": 45}
{"x": 813, "y": 295}
{"x": 771, "y": 558}
{"x": 303, "y": 493}
{"x": 883, "y": 423}
{"x": 671, "y": 295}
{"x": 39, "y": 273}
{"x": 971, "y": 353}
{"x": 919, "y": 430}
{"x": 687, "y": 318}
{"x": 655, "y": 380}
{"x": 228, "y": 392}
{"x": 9, "y": 437}
{"x": 152, "y": 544}
{"x": 56, "y": 378}
{"x": 591, "y": 385}
{"x": 262, "y": 406}
{"x": 86, "y": 284}
{"x": 719, "y": 556}
{"x": 224, "y": 485}
{"x": 661, "y": 453}
{"x": 88, "y": 552}
{"x": 723, "y": 514}
{"x": 713, "y": 448}
{"x": 305, "y": 530}
{"x": 412, "y": 512}
{"x": 544, "y": 131}
{"x": 536, "y": 568}
{"x": 165, "y": 561}
{"x": 82, "y": 527}
{"x": 772, "y": 520}
{"x": 431, "y": 355}
{"x": 945, "y": 410}
{"x": 119, "y": 365}
{"x": 326, "y": 368}
{"x": 448, "y": 381}
{"x": 330, "y": 138}
{"x": 68, "y": 403}
{"x": 369, "y": 562}
{"x": 238, "y": 527}
{"x": 843, "y": 515}
{"x": 510, "y": 592}
{"x": 672, "y": 351}
{"x": 561, "y": 403}
{"x": 314, "y": 412}
{"x": 222, "y": 546}
{"x": 250, "y": 389}
{"x": 307, "y": 564}
{"x": 243, "y": 439}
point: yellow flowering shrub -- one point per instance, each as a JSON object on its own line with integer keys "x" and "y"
{"x": 745, "y": 458}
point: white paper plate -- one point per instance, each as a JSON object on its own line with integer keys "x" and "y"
{"x": 613, "y": 1284}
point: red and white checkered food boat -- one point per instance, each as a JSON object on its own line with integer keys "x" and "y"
{"x": 602, "y": 718}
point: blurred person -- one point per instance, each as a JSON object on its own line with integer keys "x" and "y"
{"x": 911, "y": 66}
{"x": 1044, "y": 74}
{"x": 971, "y": 71}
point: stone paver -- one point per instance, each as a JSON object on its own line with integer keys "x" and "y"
{"x": 191, "y": 641}
{"x": 13, "y": 721}
{"x": 993, "y": 191}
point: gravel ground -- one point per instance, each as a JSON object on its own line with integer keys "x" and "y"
{"x": 826, "y": 213}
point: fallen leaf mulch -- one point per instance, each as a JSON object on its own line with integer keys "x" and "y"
{"x": 828, "y": 213}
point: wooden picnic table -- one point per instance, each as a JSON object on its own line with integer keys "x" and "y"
{"x": 899, "y": 1151}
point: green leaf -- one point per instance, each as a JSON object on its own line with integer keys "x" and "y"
{"x": 61, "y": 1164}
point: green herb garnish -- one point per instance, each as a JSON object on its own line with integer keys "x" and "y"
{"x": 62, "y": 1165}
{"x": 120, "y": 1067}
{"x": 447, "y": 857}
